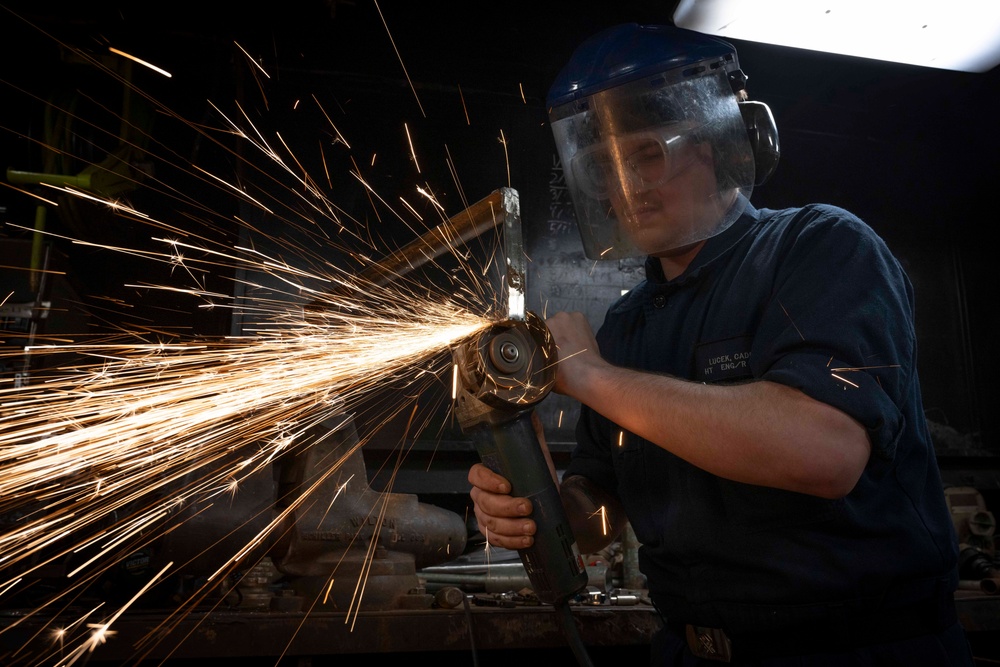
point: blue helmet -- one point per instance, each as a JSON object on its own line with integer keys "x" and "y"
{"x": 625, "y": 53}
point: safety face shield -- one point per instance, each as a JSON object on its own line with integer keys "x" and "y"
{"x": 656, "y": 164}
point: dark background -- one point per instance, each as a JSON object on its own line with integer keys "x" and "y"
{"x": 912, "y": 151}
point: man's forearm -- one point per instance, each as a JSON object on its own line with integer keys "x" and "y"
{"x": 758, "y": 433}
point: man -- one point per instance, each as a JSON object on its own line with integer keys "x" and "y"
{"x": 751, "y": 408}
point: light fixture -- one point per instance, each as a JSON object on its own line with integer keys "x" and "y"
{"x": 961, "y": 35}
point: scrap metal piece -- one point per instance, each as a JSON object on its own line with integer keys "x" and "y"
{"x": 517, "y": 271}
{"x": 486, "y": 214}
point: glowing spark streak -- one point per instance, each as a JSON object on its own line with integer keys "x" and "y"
{"x": 50, "y": 202}
{"x": 603, "y": 513}
{"x": 261, "y": 144}
{"x": 411, "y": 209}
{"x": 372, "y": 192}
{"x": 849, "y": 369}
{"x": 520, "y": 87}
{"x": 413, "y": 153}
{"x": 359, "y": 589}
{"x": 178, "y": 290}
{"x": 844, "y": 380}
{"x": 252, "y": 60}
{"x": 10, "y": 585}
{"x": 117, "y": 206}
{"x": 454, "y": 381}
{"x": 431, "y": 198}
{"x": 506, "y": 157}
{"x": 305, "y": 179}
{"x": 392, "y": 41}
{"x": 326, "y": 169}
{"x": 464, "y": 109}
{"x": 141, "y": 62}
{"x": 242, "y": 193}
{"x": 785, "y": 310}
{"x": 334, "y": 499}
{"x": 325, "y": 207}
{"x": 454, "y": 177}
{"x": 103, "y": 628}
{"x": 340, "y": 137}
{"x": 621, "y": 438}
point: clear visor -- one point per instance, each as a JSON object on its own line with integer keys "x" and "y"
{"x": 653, "y": 166}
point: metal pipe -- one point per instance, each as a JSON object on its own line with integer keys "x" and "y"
{"x": 461, "y": 228}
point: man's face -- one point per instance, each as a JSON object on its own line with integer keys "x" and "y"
{"x": 680, "y": 200}
{"x": 661, "y": 185}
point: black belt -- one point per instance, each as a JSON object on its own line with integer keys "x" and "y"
{"x": 841, "y": 630}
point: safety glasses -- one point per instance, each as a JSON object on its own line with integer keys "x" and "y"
{"x": 637, "y": 160}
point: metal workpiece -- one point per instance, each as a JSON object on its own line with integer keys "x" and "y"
{"x": 500, "y": 207}
{"x": 517, "y": 269}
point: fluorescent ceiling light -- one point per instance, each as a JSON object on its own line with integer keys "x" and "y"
{"x": 959, "y": 35}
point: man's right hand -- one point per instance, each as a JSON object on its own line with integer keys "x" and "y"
{"x": 502, "y": 518}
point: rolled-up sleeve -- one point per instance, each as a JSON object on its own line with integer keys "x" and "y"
{"x": 848, "y": 342}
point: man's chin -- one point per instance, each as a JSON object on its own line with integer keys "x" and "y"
{"x": 667, "y": 250}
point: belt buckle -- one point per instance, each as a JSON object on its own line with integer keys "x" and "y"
{"x": 708, "y": 643}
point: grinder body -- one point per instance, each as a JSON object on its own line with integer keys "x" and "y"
{"x": 502, "y": 374}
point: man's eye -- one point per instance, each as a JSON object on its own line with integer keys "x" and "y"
{"x": 646, "y": 155}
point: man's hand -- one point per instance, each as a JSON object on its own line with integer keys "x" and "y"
{"x": 502, "y": 518}
{"x": 577, "y": 349}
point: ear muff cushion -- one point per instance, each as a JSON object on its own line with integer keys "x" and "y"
{"x": 763, "y": 135}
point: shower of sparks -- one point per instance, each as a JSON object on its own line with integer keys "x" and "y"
{"x": 105, "y": 450}
{"x": 116, "y": 434}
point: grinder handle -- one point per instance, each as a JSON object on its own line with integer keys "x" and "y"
{"x": 553, "y": 562}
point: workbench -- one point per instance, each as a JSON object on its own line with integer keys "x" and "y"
{"x": 468, "y": 634}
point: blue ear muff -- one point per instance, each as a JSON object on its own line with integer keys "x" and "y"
{"x": 763, "y": 135}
